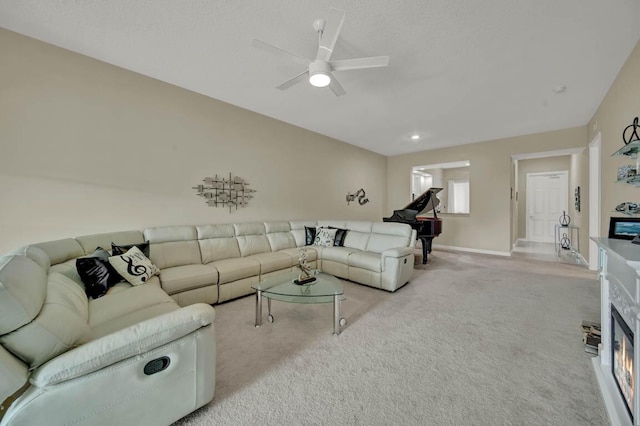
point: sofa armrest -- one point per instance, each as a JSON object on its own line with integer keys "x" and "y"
{"x": 395, "y": 253}
{"x": 126, "y": 343}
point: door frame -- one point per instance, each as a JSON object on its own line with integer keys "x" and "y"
{"x": 564, "y": 173}
{"x": 594, "y": 198}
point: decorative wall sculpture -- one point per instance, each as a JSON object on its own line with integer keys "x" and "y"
{"x": 360, "y": 195}
{"x": 576, "y": 198}
{"x": 222, "y": 192}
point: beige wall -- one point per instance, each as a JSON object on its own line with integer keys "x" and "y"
{"x": 617, "y": 111}
{"x": 488, "y": 227}
{"x": 87, "y": 147}
{"x": 537, "y": 165}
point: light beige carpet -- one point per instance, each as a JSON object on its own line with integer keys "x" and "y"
{"x": 471, "y": 340}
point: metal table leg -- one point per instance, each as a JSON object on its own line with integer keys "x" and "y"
{"x": 337, "y": 320}
{"x": 258, "y": 308}
{"x": 336, "y": 315}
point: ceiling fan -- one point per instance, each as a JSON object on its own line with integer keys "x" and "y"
{"x": 319, "y": 70}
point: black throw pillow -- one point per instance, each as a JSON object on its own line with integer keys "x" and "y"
{"x": 341, "y": 234}
{"x": 96, "y": 273}
{"x": 118, "y": 250}
{"x": 310, "y": 235}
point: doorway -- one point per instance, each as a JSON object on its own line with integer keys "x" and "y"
{"x": 547, "y": 199}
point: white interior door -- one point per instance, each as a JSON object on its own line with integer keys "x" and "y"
{"x": 547, "y": 198}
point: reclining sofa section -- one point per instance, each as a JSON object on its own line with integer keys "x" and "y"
{"x": 216, "y": 263}
{"x": 91, "y": 361}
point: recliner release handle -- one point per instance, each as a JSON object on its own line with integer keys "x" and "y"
{"x": 157, "y": 365}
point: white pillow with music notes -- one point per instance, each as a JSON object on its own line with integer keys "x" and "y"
{"x": 134, "y": 266}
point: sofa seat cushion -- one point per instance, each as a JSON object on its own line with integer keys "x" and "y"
{"x": 236, "y": 269}
{"x": 121, "y": 309}
{"x": 187, "y": 277}
{"x": 270, "y": 262}
{"x": 336, "y": 254}
{"x": 366, "y": 260}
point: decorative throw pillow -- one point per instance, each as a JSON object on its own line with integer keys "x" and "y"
{"x": 96, "y": 273}
{"x": 341, "y": 234}
{"x": 310, "y": 235}
{"x": 325, "y": 237}
{"x": 118, "y": 250}
{"x": 134, "y": 266}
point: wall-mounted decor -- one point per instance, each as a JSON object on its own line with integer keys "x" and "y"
{"x": 630, "y": 133}
{"x": 222, "y": 192}
{"x": 576, "y": 195}
{"x": 360, "y": 195}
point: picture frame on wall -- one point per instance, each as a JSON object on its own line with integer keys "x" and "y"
{"x": 624, "y": 228}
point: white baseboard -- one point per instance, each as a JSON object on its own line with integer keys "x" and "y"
{"x": 471, "y": 250}
{"x": 584, "y": 262}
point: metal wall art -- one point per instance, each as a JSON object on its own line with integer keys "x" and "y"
{"x": 223, "y": 192}
{"x": 360, "y": 195}
{"x": 576, "y": 194}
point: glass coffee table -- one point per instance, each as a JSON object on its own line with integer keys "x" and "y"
{"x": 325, "y": 289}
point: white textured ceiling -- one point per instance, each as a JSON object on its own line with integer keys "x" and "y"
{"x": 460, "y": 71}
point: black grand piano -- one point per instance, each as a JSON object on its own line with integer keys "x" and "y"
{"x": 427, "y": 227}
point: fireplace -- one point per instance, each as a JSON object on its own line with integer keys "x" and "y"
{"x": 622, "y": 358}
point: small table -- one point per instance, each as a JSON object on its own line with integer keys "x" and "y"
{"x": 573, "y": 236}
{"x": 325, "y": 289}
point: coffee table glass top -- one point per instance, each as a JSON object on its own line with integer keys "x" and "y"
{"x": 281, "y": 287}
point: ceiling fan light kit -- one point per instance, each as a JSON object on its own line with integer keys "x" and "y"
{"x": 319, "y": 70}
{"x": 319, "y": 73}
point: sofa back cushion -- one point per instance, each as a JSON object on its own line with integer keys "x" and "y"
{"x": 61, "y": 250}
{"x": 386, "y": 236}
{"x": 279, "y": 235}
{"x": 357, "y": 235}
{"x": 217, "y": 242}
{"x": 251, "y": 238}
{"x": 90, "y": 242}
{"x": 173, "y": 246}
{"x": 298, "y": 231}
{"x": 59, "y": 326}
{"x": 23, "y": 288}
{"x": 36, "y": 254}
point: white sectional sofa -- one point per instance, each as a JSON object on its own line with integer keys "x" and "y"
{"x": 69, "y": 359}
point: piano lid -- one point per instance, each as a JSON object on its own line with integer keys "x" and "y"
{"x": 426, "y": 202}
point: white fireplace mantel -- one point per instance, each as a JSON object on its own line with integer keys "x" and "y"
{"x": 619, "y": 273}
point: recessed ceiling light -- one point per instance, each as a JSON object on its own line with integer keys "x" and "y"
{"x": 415, "y": 137}
{"x": 559, "y": 89}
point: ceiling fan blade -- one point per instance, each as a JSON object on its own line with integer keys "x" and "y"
{"x": 354, "y": 64}
{"x": 335, "y": 87}
{"x": 330, "y": 34}
{"x": 274, "y": 49}
{"x": 293, "y": 81}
